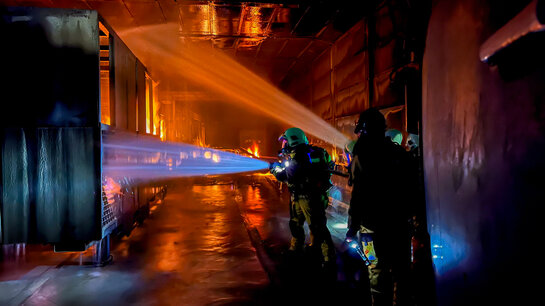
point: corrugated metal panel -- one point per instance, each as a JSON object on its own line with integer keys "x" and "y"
{"x": 352, "y": 100}
{"x": 321, "y": 66}
{"x": 384, "y": 94}
{"x": 384, "y": 57}
{"x": 384, "y": 26}
{"x": 302, "y": 91}
{"x": 346, "y": 124}
{"x": 351, "y": 43}
{"x": 322, "y": 107}
{"x": 351, "y": 71}
{"x": 304, "y": 94}
{"x": 321, "y": 87}
{"x": 350, "y": 79}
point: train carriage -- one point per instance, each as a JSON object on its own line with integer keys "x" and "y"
{"x": 71, "y": 84}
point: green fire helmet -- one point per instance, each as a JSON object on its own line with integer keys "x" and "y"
{"x": 395, "y": 136}
{"x": 294, "y": 136}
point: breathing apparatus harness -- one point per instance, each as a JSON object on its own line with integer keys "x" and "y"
{"x": 319, "y": 167}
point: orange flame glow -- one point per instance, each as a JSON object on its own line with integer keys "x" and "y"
{"x": 111, "y": 189}
{"x": 200, "y": 143}
{"x": 254, "y": 150}
{"x": 334, "y": 155}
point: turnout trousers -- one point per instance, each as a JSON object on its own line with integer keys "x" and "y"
{"x": 311, "y": 208}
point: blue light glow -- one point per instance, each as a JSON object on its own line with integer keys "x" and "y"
{"x": 448, "y": 249}
{"x": 340, "y": 225}
{"x": 147, "y": 159}
{"x": 335, "y": 193}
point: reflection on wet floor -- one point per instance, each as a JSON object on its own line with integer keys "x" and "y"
{"x": 193, "y": 250}
{"x": 254, "y": 206}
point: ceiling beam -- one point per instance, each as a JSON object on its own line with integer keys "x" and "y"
{"x": 127, "y": 8}
{"x": 298, "y": 22}
{"x": 161, "y": 9}
{"x": 282, "y": 48}
{"x": 297, "y": 59}
{"x": 243, "y": 11}
{"x": 271, "y": 19}
{"x": 266, "y": 31}
{"x": 88, "y": 5}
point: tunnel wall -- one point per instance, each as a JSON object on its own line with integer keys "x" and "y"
{"x": 335, "y": 85}
{"x": 369, "y": 66}
{"x": 484, "y": 143}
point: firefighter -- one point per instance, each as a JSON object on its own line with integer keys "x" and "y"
{"x": 348, "y": 149}
{"x": 379, "y": 211}
{"x": 395, "y": 136}
{"x": 306, "y": 170}
{"x": 412, "y": 145}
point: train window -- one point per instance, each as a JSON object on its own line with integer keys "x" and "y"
{"x": 155, "y": 112}
{"x": 148, "y": 106}
{"x": 152, "y": 106}
{"x": 104, "y": 37}
{"x": 162, "y": 129}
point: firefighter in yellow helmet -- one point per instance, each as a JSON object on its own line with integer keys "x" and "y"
{"x": 307, "y": 171}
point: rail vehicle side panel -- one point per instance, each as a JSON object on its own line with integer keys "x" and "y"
{"x": 50, "y": 129}
{"x": 53, "y": 189}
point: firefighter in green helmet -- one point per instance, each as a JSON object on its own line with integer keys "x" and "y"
{"x": 307, "y": 171}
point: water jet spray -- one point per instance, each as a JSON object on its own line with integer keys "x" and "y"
{"x": 145, "y": 159}
{"x": 222, "y": 75}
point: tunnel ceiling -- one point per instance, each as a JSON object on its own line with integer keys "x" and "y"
{"x": 273, "y": 38}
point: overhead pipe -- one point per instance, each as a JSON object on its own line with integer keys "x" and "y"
{"x": 530, "y": 20}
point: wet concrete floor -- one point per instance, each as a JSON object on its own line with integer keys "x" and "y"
{"x": 218, "y": 242}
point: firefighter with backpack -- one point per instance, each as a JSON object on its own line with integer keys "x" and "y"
{"x": 307, "y": 171}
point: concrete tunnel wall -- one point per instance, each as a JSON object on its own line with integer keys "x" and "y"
{"x": 484, "y": 143}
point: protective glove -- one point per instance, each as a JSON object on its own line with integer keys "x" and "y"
{"x": 275, "y": 167}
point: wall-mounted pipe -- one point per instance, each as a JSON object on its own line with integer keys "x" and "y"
{"x": 529, "y": 20}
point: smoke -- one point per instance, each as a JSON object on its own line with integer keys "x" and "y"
{"x": 216, "y": 71}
